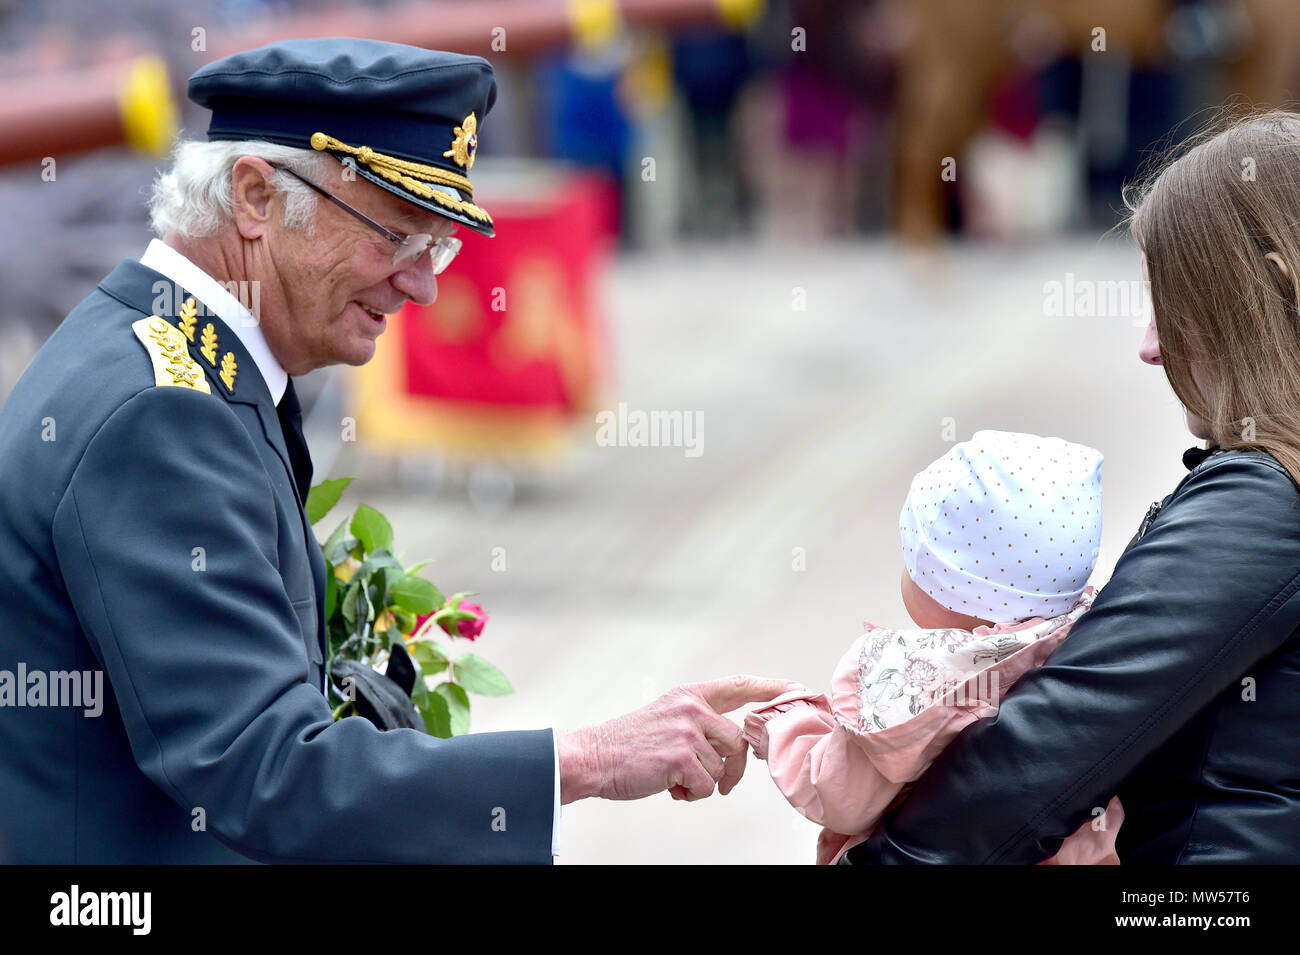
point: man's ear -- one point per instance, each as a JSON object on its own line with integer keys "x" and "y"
{"x": 251, "y": 196}
{"x": 1277, "y": 261}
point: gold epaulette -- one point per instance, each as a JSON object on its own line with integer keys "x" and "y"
{"x": 172, "y": 364}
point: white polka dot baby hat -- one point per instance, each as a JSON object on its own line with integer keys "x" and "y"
{"x": 1005, "y": 526}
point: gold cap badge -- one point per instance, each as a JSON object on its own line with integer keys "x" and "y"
{"x": 465, "y": 144}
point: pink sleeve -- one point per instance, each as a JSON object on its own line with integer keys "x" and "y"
{"x": 843, "y": 777}
{"x": 843, "y": 766}
{"x": 816, "y": 759}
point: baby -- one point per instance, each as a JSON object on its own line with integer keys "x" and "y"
{"x": 999, "y": 538}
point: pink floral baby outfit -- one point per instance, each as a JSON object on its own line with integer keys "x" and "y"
{"x": 898, "y": 697}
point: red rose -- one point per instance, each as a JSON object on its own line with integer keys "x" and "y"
{"x": 470, "y": 629}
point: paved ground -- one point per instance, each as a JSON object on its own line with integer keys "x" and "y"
{"x": 633, "y": 569}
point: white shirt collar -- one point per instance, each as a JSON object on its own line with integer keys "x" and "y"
{"x": 165, "y": 260}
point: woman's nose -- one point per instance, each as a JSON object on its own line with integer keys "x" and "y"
{"x": 1149, "y": 350}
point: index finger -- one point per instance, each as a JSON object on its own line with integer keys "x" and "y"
{"x": 731, "y": 692}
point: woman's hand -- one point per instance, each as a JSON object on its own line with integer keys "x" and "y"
{"x": 829, "y": 845}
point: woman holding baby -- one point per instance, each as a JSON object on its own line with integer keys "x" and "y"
{"x": 1030, "y": 719}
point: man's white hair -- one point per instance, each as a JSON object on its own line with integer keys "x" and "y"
{"x": 192, "y": 198}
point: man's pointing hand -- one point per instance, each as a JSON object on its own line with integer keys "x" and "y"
{"x": 680, "y": 742}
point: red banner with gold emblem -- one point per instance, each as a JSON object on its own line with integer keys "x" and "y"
{"x": 513, "y": 349}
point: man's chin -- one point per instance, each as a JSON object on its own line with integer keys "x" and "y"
{"x": 362, "y": 352}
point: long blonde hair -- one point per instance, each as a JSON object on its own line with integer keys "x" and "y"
{"x": 1204, "y": 219}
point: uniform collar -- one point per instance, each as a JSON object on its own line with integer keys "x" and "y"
{"x": 166, "y": 261}
{"x": 1193, "y": 457}
{"x": 148, "y": 292}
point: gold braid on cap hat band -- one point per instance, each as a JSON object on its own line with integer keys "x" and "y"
{"x": 412, "y": 176}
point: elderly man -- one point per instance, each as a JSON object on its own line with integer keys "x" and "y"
{"x": 152, "y": 531}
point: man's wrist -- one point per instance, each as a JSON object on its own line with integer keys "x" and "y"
{"x": 579, "y": 765}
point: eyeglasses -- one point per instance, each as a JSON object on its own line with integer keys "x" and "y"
{"x": 409, "y": 247}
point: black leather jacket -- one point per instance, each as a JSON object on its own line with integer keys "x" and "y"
{"x": 1179, "y": 691}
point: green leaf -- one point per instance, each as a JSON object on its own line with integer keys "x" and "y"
{"x": 416, "y": 568}
{"x": 350, "y": 602}
{"x": 379, "y": 558}
{"x": 379, "y": 587}
{"x": 431, "y": 659}
{"x": 405, "y": 621}
{"x": 363, "y": 593}
{"x": 419, "y": 690}
{"x": 333, "y": 543}
{"x": 415, "y": 594}
{"x": 437, "y": 716}
{"x": 478, "y": 676}
{"x": 457, "y": 706}
{"x": 342, "y": 548}
{"x": 372, "y": 529}
{"x": 323, "y": 497}
{"x": 331, "y": 590}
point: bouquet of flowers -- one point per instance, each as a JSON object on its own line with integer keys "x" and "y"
{"x": 385, "y": 657}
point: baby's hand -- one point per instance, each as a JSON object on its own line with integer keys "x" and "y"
{"x": 755, "y": 732}
{"x": 755, "y": 726}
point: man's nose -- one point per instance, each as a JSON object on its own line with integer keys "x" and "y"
{"x": 417, "y": 281}
{"x": 1149, "y": 350}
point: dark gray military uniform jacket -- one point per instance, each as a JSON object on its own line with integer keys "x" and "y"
{"x": 151, "y": 529}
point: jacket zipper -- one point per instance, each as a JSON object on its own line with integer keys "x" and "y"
{"x": 1151, "y": 513}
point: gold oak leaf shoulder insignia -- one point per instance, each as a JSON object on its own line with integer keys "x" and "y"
{"x": 228, "y": 370}
{"x": 189, "y": 315}
{"x": 209, "y": 349}
{"x": 172, "y": 364}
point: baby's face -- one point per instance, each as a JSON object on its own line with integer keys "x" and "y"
{"x": 928, "y": 614}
